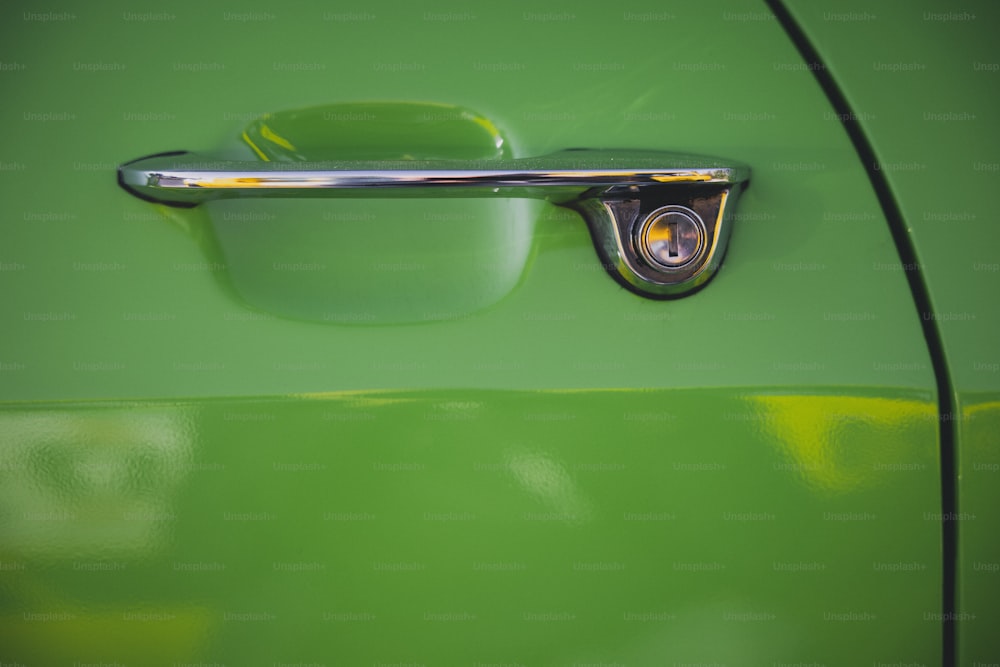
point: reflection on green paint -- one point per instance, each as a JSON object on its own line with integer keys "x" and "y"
{"x": 90, "y": 483}
{"x": 543, "y": 527}
{"x": 376, "y": 131}
{"x": 818, "y": 436}
{"x": 978, "y": 518}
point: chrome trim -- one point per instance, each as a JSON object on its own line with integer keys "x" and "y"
{"x": 618, "y": 192}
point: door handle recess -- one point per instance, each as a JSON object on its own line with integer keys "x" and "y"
{"x": 660, "y": 221}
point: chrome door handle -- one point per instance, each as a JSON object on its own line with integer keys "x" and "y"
{"x": 660, "y": 221}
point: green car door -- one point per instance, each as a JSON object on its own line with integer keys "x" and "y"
{"x": 939, "y": 156}
{"x": 438, "y": 431}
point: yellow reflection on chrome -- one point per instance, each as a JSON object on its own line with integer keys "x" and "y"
{"x": 682, "y": 178}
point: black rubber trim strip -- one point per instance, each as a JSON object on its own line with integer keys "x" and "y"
{"x": 918, "y": 287}
{"x": 136, "y": 193}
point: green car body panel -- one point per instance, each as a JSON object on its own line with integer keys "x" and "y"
{"x": 520, "y": 462}
{"x": 940, "y": 156}
{"x": 551, "y": 527}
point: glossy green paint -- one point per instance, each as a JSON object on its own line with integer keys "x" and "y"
{"x": 940, "y": 153}
{"x": 464, "y": 527}
{"x": 132, "y": 365}
{"x": 369, "y": 261}
{"x": 398, "y": 132}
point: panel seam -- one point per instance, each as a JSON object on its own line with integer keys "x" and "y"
{"x": 947, "y": 416}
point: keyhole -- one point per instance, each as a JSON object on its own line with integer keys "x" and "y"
{"x": 672, "y": 241}
{"x": 671, "y": 237}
